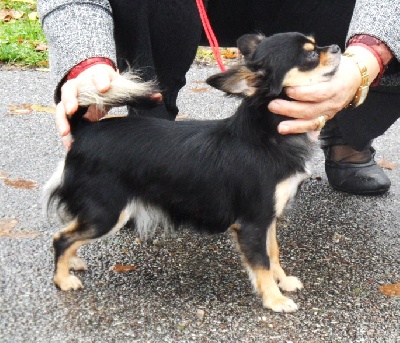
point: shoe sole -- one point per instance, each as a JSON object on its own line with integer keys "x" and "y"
{"x": 374, "y": 192}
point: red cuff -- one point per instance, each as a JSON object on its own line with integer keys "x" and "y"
{"x": 79, "y": 68}
{"x": 381, "y": 52}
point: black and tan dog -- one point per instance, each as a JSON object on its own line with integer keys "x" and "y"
{"x": 236, "y": 173}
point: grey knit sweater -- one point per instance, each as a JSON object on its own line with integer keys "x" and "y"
{"x": 77, "y": 30}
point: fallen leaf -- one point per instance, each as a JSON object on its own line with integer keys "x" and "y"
{"x": 229, "y": 53}
{"x": 40, "y": 108}
{"x": 199, "y": 89}
{"x": 19, "y": 109}
{"x": 7, "y": 230}
{"x": 33, "y": 16}
{"x": 28, "y": 108}
{"x": 7, "y": 224}
{"x": 3, "y": 174}
{"x": 119, "y": 268}
{"x": 16, "y": 14}
{"x": 5, "y": 15}
{"x": 392, "y": 290}
{"x": 41, "y": 47}
{"x": 386, "y": 164}
{"x": 21, "y": 183}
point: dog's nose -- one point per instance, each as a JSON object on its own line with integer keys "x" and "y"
{"x": 335, "y": 49}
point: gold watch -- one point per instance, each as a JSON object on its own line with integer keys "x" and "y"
{"x": 362, "y": 91}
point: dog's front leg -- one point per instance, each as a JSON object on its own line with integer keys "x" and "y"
{"x": 287, "y": 283}
{"x": 255, "y": 245}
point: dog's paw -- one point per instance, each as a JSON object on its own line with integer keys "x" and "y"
{"x": 281, "y": 304}
{"x": 68, "y": 283}
{"x": 76, "y": 263}
{"x": 290, "y": 284}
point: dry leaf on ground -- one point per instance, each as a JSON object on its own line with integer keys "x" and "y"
{"x": 41, "y": 47}
{"x": 386, "y": 164}
{"x": 3, "y": 175}
{"x": 28, "y": 108}
{"x": 392, "y": 290}
{"x": 40, "y": 108}
{"x": 21, "y": 183}
{"x": 33, "y": 16}
{"x": 229, "y": 53}
{"x": 119, "y": 268}
{"x": 7, "y": 230}
{"x": 7, "y": 15}
{"x": 200, "y": 89}
{"x": 19, "y": 109}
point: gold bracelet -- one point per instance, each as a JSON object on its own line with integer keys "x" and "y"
{"x": 362, "y": 91}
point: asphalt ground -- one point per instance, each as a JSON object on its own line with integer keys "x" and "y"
{"x": 189, "y": 288}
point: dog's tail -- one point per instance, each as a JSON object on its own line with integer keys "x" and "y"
{"x": 51, "y": 194}
{"x": 129, "y": 89}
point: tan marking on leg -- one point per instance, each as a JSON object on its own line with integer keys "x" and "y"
{"x": 287, "y": 283}
{"x": 264, "y": 283}
{"x": 70, "y": 260}
{"x": 62, "y": 277}
{"x": 270, "y": 293}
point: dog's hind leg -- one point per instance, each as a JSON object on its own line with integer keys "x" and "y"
{"x": 66, "y": 243}
{"x": 69, "y": 240}
{"x": 287, "y": 283}
{"x": 251, "y": 241}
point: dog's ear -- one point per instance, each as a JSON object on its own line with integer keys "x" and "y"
{"x": 247, "y": 44}
{"x": 238, "y": 80}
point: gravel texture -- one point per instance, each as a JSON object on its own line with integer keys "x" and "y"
{"x": 192, "y": 288}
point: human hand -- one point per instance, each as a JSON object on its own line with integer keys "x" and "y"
{"x": 101, "y": 76}
{"x": 325, "y": 98}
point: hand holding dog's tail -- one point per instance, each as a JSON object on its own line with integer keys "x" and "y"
{"x": 95, "y": 91}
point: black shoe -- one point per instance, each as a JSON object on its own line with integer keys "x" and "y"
{"x": 349, "y": 170}
{"x": 357, "y": 178}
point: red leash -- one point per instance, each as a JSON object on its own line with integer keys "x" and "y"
{"x": 210, "y": 34}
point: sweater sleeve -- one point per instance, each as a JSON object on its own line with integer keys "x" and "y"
{"x": 76, "y": 30}
{"x": 379, "y": 19}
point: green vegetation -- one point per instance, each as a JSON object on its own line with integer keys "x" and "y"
{"x": 22, "y": 41}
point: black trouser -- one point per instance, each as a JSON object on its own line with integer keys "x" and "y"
{"x": 162, "y": 36}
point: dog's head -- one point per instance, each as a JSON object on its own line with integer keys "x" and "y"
{"x": 272, "y": 63}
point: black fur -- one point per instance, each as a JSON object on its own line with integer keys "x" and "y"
{"x": 206, "y": 174}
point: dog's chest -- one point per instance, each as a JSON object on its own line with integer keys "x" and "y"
{"x": 286, "y": 190}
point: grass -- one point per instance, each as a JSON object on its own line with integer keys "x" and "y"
{"x": 22, "y": 41}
